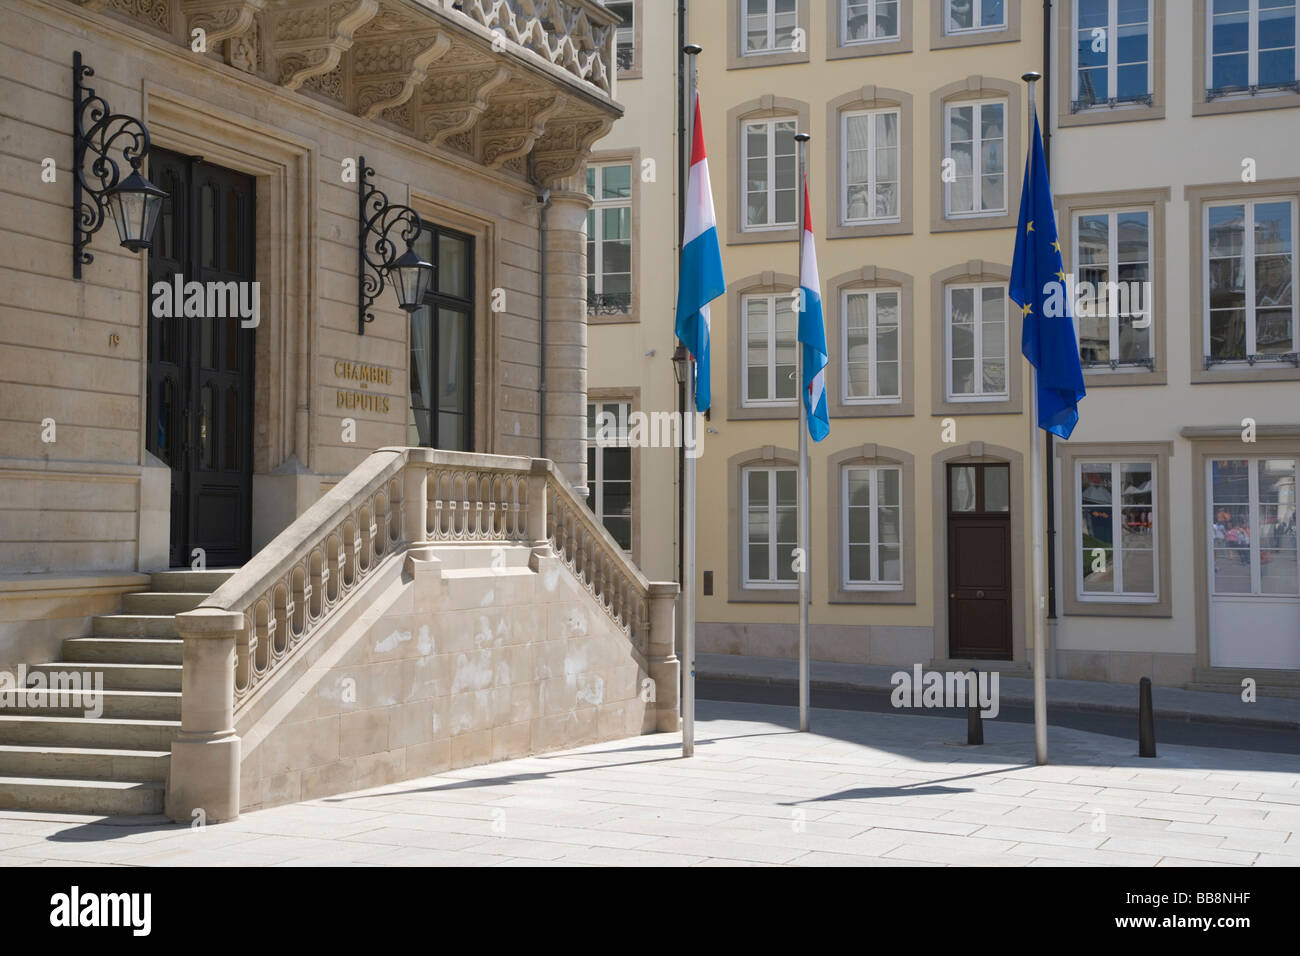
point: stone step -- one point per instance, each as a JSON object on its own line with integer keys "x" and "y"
{"x": 107, "y": 797}
{"x": 124, "y": 650}
{"x": 131, "y": 704}
{"x": 134, "y": 625}
{"x": 184, "y": 580}
{"x": 161, "y": 602}
{"x": 115, "y": 676}
{"x": 83, "y": 763}
{"x": 112, "y": 732}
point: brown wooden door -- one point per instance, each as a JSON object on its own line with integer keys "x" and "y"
{"x": 979, "y": 562}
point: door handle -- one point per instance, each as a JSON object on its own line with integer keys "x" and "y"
{"x": 979, "y": 594}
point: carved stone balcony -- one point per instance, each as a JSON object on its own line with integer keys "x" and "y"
{"x": 491, "y": 80}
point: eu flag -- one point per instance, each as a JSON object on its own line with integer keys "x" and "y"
{"x": 1038, "y": 286}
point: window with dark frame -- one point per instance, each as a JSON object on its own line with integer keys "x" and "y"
{"x": 609, "y": 468}
{"x": 442, "y": 345}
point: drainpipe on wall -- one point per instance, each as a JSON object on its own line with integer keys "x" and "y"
{"x": 1049, "y": 463}
{"x": 544, "y": 201}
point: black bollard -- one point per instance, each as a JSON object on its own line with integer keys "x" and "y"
{"x": 1146, "y": 720}
{"x": 974, "y": 722}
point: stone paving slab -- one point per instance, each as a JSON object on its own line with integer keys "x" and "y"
{"x": 861, "y": 789}
{"x": 1276, "y": 713}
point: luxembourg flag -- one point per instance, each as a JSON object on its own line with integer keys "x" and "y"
{"x": 701, "y": 276}
{"x": 812, "y": 330}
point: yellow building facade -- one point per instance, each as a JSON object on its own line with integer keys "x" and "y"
{"x": 919, "y": 511}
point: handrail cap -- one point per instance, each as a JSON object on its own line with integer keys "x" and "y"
{"x": 211, "y": 622}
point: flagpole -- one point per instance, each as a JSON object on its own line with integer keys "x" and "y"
{"x": 804, "y": 583}
{"x": 1039, "y": 506}
{"x": 688, "y": 492}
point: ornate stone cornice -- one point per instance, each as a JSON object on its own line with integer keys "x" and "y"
{"x": 451, "y": 101}
{"x": 512, "y": 124}
{"x": 521, "y": 86}
{"x": 386, "y": 71}
{"x": 309, "y": 39}
{"x": 220, "y": 19}
{"x": 563, "y": 148}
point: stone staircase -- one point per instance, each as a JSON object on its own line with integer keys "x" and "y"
{"x": 58, "y": 759}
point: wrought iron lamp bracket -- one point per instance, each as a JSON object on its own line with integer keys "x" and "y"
{"x": 381, "y": 223}
{"x": 99, "y": 136}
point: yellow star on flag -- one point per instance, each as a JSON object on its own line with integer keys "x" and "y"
{"x": 1026, "y": 309}
{"x": 1056, "y": 245}
{"x": 1030, "y": 227}
{"x": 1061, "y": 275}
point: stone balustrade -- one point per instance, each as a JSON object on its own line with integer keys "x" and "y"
{"x": 398, "y": 502}
{"x": 575, "y": 35}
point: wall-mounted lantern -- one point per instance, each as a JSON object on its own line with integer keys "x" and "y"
{"x": 680, "y": 364}
{"x": 102, "y": 142}
{"x": 377, "y": 250}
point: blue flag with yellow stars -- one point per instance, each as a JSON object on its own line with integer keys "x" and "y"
{"x": 1038, "y": 286}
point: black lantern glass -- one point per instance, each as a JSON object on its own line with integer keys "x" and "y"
{"x": 135, "y": 204}
{"x": 411, "y": 277}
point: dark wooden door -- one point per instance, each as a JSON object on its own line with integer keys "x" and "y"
{"x": 979, "y": 562}
{"x": 200, "y": 377}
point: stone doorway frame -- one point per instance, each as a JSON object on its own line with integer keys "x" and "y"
{"x": 285, "y": 263}
{"x": 285, "y": 258}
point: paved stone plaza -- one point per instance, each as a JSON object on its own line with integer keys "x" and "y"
{"x": 863, "y": 789}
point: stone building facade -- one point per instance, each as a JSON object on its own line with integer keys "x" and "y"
{"x": 127, "y": 446}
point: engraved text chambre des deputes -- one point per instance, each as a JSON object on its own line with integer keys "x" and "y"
{"x": 364, "y": 376}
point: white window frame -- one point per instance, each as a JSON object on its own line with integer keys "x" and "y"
{"x": 772, "y": 224}
{"x": 1112, "y": 272}
{"x": 977, "y": 158}
{"x": 1252, "y": 50}
{"x": 977, "y": 11}
{"x": 598, "y": 240}
{"x": 772, "y": 581}
{"x": 597, "y": 478}
{"x": 1116, "y": 525}
{"x": 875, "y": 584}
{"x": 770, "y": 17}
{"x": 871, "y": 19}
{"x": 1248, "y": 269}
{"x": 872, "y": 356}
{"x": 872, "y": 177}
{"x": 1253, "y": 503}
{"x": 978, "y": 330}
{"x": 1112, "y": 55}
{"x": 772, "y": 401}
